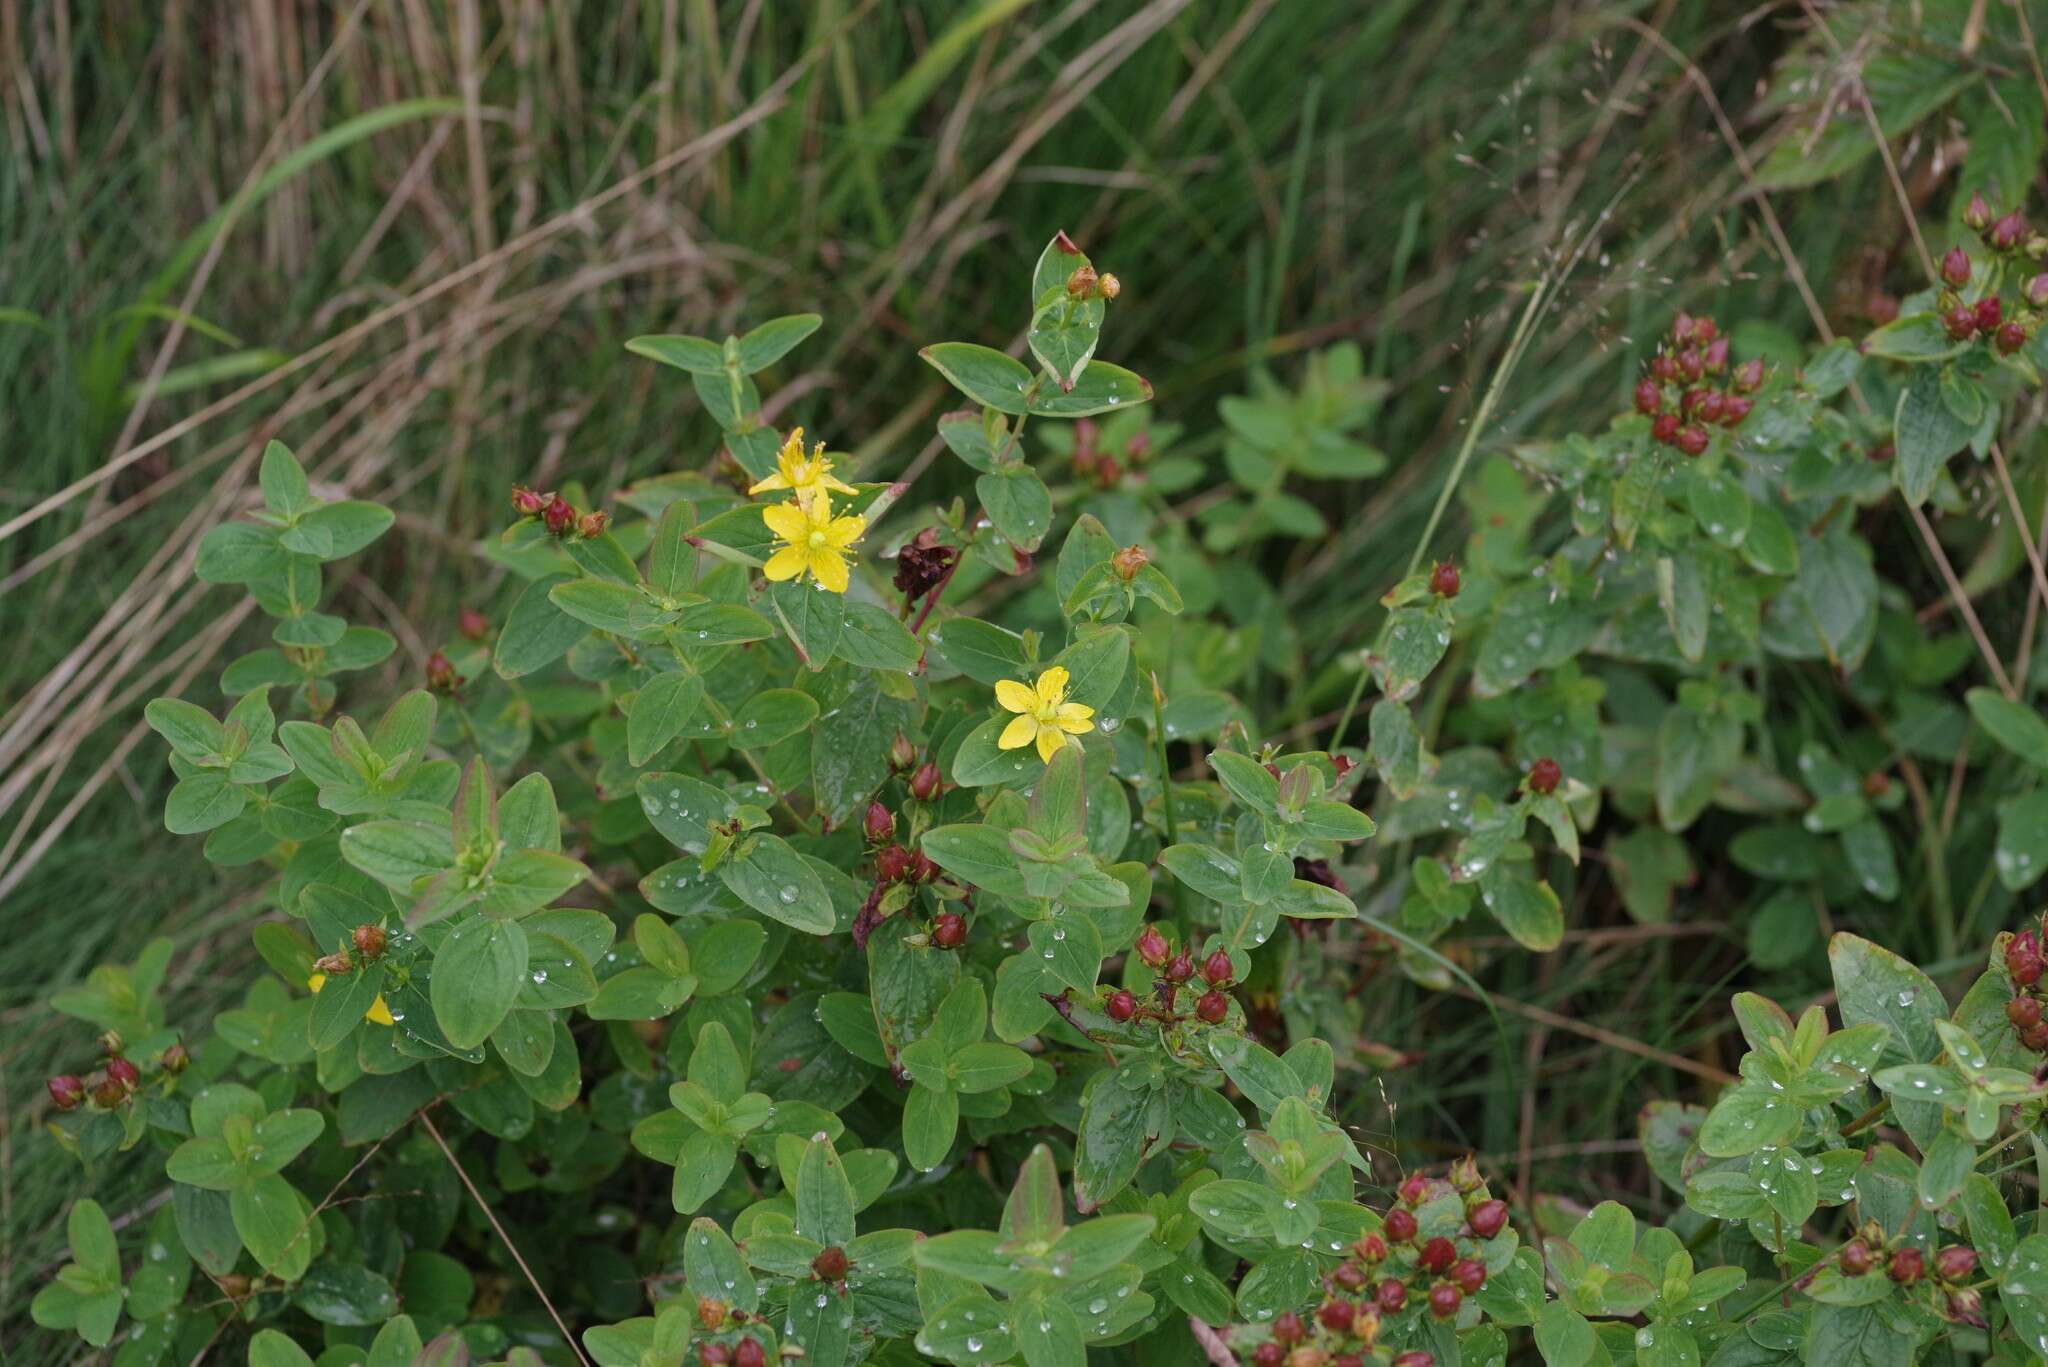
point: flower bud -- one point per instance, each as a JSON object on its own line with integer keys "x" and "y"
{"x": 1181, "y": 967}
{"x": 902, "y": 754}
{"x": 1269, "y": 1355}
{"x": 1709, "y": 408}
{"x": 1288, "y": 1328}
{"x": 337, "y": 962}
{"x": 558, "y": 516}
{"x": 1082, "y": 282}
{"x": 1544, "y": 776}
{"x": 1391, "y": 1296}
{"x": 1692, "y": 440}
{"x": 2023, "y": 1012}
{"x": 1336, "y": 1316}
{"x": 1681, "y": 328}
{"x": 125, "y": 1073}
{"x": 1960, "y": 323}
{"x": 1437, "y": 1255}
{"x": 1664, "y": 429}
{"x": 1414, "y": 1358}
{"x": 1649, "y": 396}
{"x": 67, "y": 1093}
{"x": 711, "y": 1313}
{"x": 950, "y": 930}
{"x": 1907, "y": 1265}
{"x": 1214, "y": 1007}
{"x": 830, "y": 1265}
{"x": 2036, "y": 291}
{"x": 880, "y": 824}
{"x": 1663, "y": 368}
{"x": 1856, "y": 1259}
{"x": 1704, "y": 331}
{"x": 1977, "y": 214}
{"x": 1469, "y": 1274}
{"x": 1990, "y": 313}
{"x": 925, "y": 783}
{"x": 592, "y": 525}
{"x": 713, "y": 1355}
{"x": 527, "y": 503}
{"x": 2023, "y": 958}
{"x": 1152, "y": 947}
{"x": 922, "y": 869}
{"x": 1444, "y": 1300}
{"x": 1350, "y": 1276}
{"x": 2010, "y": 338}
{"x": 892, "y": 865}
{"x": 110, "y": 1043}
{"x": 1691, "y": 365}
{"x": 1121, "y": 1006}
{"x": 1128, "y": 561}
{"x": 369, "y": 941}
{"x": 1399, "y": 1225}
{"x": 1715, "y": 358}
{"x": 176, "y": 1059}
{"x": 107, "y": 1093}
{"x": 1443, "y": 580}
{"x": 441, "y": 674}
{"x": 2008, "y": 232}
{"x": 1955, "y": 1263}
{"x": 473, "y": 625}
{"x": 1464, "y": 1175}
{"x": 1955, "y": 267}
{"x": 1216, "y": 969}
{"x": 1370, "y": 1248}
{"x": 1108, "y": 286}
{"x": 1734, "y": 409}
{"x": 1966, "y": 1307}
{"x": 1749, "y": 376}
{"x": 750, "y": 1353}
{"x": 1487, "y": 1218}
{"x": 2036, "y": 1038}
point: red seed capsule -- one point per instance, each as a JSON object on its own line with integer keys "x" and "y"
{"x": 2023, "y": 1012}
{"x": 1692, "y": 440}
{"x": 892, "y": 865}
{"x": 1545, "y": 775}
{"x": 2011, "y": 336}
{"x": 1856, "y": 1259}
{"x": 713, "y": 1355}
{"x": 2007, "y": 232}
{"x": 949, "y": 931}
{"x": 2036, "y": 1038}
{"x": 1288, "y": 1328}
{"x": 473, "y": 625}
{"x": 1691, "y": 364}
{"x": 1350, "y": 1276}
{"x": 1437, "y": 1255}
{"x": 1214, "y": 1007}
{"x": 1665, "y": 429}
{"x": 1391, "y": 1296}
{"x": 108, "y": 1093}
{"x": 1715, "y": 358}
{"x": 1960, "y": 322}
{"x": 1663, "y": 368}
{"x": 176, "y": 1059}
{"x": 1469, "y": 1274}
{"x": 1269, "y": 1355}
{"x": 1990, "y": 313}
{"x": 1907, "y": 1266}
{"x": 125, "y": 1073}
{"x": 1121, "y": 1006}
{"x": 1444, "y": 1300}
{"x": 527, "y": 503}
{"x": 1734, "y": 409}
{"x": 750, "y": 1353}
{"x": 1977, "y": 214}
{"x": 369, "y": 941}
{"x": 830, "y": 1265}
{"x": 1487, "y": 1218}
{"x": 880, "y": 823}
{"x": 1216, "y": 969}
{"x": 558, "y": 516}
{"x": 1336, "y": 1316}
{"x": 1710, "y": 407}
{"x": 1371, "y": 1248}
{"x": 1399, "y": 1225}
{"x": 922, "y": 869}
{"x": 1681, "y": 328}
{"x": 1955, "y": 1263}
{"x": 925, "y": 784}
{"x": 1152, "y": 947}
{"x": 1649, "y": 396}
{"x": 1181, "y": 967}
{"x": 67, "y": 1093}
{"x": 1955, "y": 267}
{"x": 1415, "y": 1358}
{"x": 1443, "y": 580}
{"x": 1749, "y": 376}
{"x": 2023, "y": 958}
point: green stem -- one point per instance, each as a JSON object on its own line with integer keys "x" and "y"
{"x": 1165, "y": 770}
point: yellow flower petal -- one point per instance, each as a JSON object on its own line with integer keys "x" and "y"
{"x": 1016, "y": 697}
{"x": 1052, "y": 685}
{"x": 844, "y": 531}
{"x": 1049, "y": 742}
{"x": 1074, "y": 718}
{"x": 1019, "y": 733}
{"x": 778, "y": 480}
{"x": 829, "y": 568}
{"x": 836, "y": 484}
{"x": 316, "y": 982}
{"x": 379, "y": 1012}
{"x": 787, "y": 563}
{"x": 786, "y": 520}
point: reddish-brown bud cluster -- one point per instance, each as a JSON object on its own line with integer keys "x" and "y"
{"x": 558, "y": 515}
{"x": 1128, "y": 561}
{"x": 473, "y": 625}
{"x": 369, "y": 940}
{"x": 879, "y": 825}
{"x": 1955, "y": 268}
{"x": 67, "y": 1092}
{"x": 1152, "y": 947}
{"x": 1544, "y": 776}
{"x": 1856, "y": 1259}
{"x": 1908, "y": 1265}
{"x": 1691, "y": 362}
{"x": 830, "y": 1265}
{"x": 1121, "y": 1006}
{"x": 442, "y": 676}
{"x": 950, "y": 930}
{"x": 893, "y": 864}
{"x": 926, "y": 784}
{"x": 923, "y": 564}
{"x": 2027, "y": 1010}
{"x": 1213, "y": 1007}
{"x": 1443, "y": 580}
{"x": 1955, "y": 1263}
{"x": 750, "y": 1353}
{"x": 176, "y": 1059}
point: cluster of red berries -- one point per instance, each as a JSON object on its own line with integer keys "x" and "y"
{"x": 897, "y": 864}
{"x": 442, "y": 675}
{"x": 1175, "y": 969}
{"x": 1906, "y": 1265}
{"x": 716, "y": 1317}
{"x": 119, "y": 1079}
{"x": 1986, "y": 317}
{"x": 557, "y": 514}
{"x": 1678, "y": 394}
{"x": 1104, "y": 466}
{"x": 1385, "y": 1270}
{"x": 2023, "y": 964}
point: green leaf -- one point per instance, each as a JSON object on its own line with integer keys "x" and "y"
{"x": 696, "y": 355}
{"x": 2015, "y": 726}
{"x": 2022, "y": 852}
{"x": 536, "y": 631}
{"x": 772, "y": 340}
{"x": 1102, "y": 388}
{"x": 272, "y": 1219}
{"x": 269, "y": 1348}
{"x": 478, "y": 972}
{"x": 285, "y": 491}
{"x": 930, "y": 1120}
{"x": 982, "y": 651}
{"x": 1925, "y": 433}
{"x": 812, "y": 616}
{"x": 1017, "y": 503}
{"x": 872, "y": 638}
{"x": 774, "y": 880}
{"x": 983, "y": 374}
{"x": 772, "y": 716}
{"x": 203, "y": 802}
{"x": 660, "y": 710}
{"x": 1526, "y": 907}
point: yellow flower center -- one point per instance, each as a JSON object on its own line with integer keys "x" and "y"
{"x": 817, "y": 538}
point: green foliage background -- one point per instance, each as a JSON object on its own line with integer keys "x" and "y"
{"x": 461, "y": 212}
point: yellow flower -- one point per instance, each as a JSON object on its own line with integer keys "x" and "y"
{"x": 378, "y": 1011}
{"x": 815, "y": 541}
{"x": 1044, "y": 714}
{"x": 803, "y": 476}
